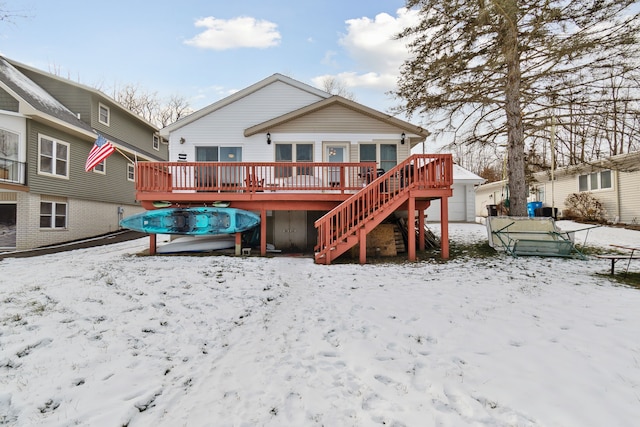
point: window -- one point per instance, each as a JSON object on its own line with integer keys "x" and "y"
{"x": 101, "y": 168}
{"x": 53, "y": 157}
{"x": 208, "y": 176}
{"x": 595, "y": 181}
{"x": 294, "y": 153}
{"x": 9, "y": 143}
{"x": 131, "y": 172}
{"x": 387, "y": 153}
{"x": 9, "y": 166}
{"x": 206, "y": 154}
{"x": 53, "y": 215}
{"x": 104, "y": 114}
{"x": 388, "y": 156}
{"x": 156, "y": 142}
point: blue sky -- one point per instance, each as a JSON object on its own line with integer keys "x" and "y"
{"x": 206, "y": 50}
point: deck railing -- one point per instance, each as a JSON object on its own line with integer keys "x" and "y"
{"x": 252, "y": 177}
{"x": 418, "y": 172}
{"x": 12, "y": 171}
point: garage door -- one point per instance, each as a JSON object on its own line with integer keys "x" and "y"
{"x": 457, "y": 206}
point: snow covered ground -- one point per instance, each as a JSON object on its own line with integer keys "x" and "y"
{"x": 104, "y": 337}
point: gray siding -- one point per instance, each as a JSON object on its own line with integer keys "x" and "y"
{"x": 126, "y": 128}
{"x": 337, "y": 119}
{"x": 124, "y": 125}
{"x": 73, "y": 97}
{"x": 112, "y": 187}
{"x": 8, "y": 102}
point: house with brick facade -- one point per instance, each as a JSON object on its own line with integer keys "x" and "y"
{"x": 48, "y": 126}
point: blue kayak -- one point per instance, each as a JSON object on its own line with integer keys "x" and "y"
{"x": 194, "y": 221}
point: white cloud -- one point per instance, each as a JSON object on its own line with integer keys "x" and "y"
{"x": 240, "y": 32}
{"x": 372, "y": 45}
{"x": 329, "y": 58}
{"x": 372, "y": 80}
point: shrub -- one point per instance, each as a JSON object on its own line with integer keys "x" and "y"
{"x": 585, "y": 207}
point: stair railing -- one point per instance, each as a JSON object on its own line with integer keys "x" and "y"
{"x": 343, "y": 222}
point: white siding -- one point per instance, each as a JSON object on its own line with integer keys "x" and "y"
{"x": 629, "y": 197}
{"x": 621, "y": 203}
{"x": 226, "y": 125}
{"x": 461, "y": 205}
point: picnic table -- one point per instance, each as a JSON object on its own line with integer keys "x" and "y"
{"x": 633, "y": 254}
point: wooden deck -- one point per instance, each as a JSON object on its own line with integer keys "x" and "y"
{"x": 305, "y": 186}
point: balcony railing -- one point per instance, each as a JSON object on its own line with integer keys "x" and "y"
{"x": 12, "y": 171}
{"x": 253, "y": 177}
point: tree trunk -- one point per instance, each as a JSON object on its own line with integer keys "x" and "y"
{"x": 515, "y": 130}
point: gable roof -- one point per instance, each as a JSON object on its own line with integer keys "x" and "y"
{"x": 464, "y": 175}
{"x": 34, "y": 101}
{"x": 338, "y": 100}
{"x": 18, "y": 66}
{"x": 239, "y": 95}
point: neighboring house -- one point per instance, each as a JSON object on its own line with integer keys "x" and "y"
{"x": 462, "y": 204}
{"x": 234, "y": 150}
{"x": 491, "y": 194}
{"x": 613, "y": 181}
{"x": 48, "y": 125}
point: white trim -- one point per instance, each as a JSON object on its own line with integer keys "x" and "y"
{"x": 133, "y": 166}
{"x": 55, "y": 142}
{"x": 100, "y": 106}
{"x": 166, "y": 131}
{"x": 53, "y": 215}
{"x": 104, "y": 168}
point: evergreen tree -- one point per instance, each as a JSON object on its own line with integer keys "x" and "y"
{"x": 491, "y": 70}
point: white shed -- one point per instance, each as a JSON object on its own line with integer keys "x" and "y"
{"x": 462, "y": 205}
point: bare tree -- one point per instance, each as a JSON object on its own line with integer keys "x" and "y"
{"x": 173, "y": 110}
{"x": 8, "y": 15}
{"x": 150, "y": 107}
{"x": 335, "y": 86}
{"x": 494, "y": 70}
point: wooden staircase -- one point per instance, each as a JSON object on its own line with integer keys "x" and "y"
{"x": 349, "y": 223}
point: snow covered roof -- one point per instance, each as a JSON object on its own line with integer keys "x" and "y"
{"x": 461, "y": 174}
{"x": 34, "y": 100}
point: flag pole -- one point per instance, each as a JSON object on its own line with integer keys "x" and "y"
{"x": 125, "y": 156}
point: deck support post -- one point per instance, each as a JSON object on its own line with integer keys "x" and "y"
{"x": 411, "y": 228}
{"x": 263, "y": 232}
{"x": 152, "y": 244}
{"x": 238, "y": 244}
{"x": 362, "y": 237}
{"x": 421, "y": 244}
{"x": 444, "y": 227}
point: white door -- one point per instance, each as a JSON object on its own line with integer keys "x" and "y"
{"x": 335, "y": 153}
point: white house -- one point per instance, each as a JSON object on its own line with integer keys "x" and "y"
{"x": 333, "y": 146}
{"x": 613, "y": 181}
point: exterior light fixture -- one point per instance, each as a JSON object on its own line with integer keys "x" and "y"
{"x": 268, "y": 138}
{"x": 402, "y": 138}
{"x": 182, "y": 140}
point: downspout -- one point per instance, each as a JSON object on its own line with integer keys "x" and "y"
{"x": 618, "y": 201}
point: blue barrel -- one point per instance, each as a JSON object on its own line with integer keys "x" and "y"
{"x": 531, "y": 208}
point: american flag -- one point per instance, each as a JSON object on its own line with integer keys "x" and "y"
{"x": 100, "y": 151}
